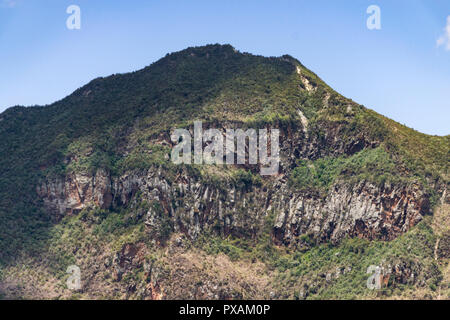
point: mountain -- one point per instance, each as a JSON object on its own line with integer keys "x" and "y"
{"x": 88, "y": 181}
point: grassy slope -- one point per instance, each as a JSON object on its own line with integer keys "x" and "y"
{"x": 108, "y": 116}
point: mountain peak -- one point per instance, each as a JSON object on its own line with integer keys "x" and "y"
{"x": 100, "y": 160}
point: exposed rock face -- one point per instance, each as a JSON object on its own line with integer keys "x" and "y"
{"x": 363, "y": 210}
{"x": 72, "y": 194}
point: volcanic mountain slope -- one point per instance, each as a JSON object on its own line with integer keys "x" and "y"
{"x": 88, "y": 181}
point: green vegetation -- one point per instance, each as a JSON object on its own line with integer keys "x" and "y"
{"x": 246, "y": 179}
{"x": 373, "y": 165}
{"x": 122, "y": 123}
{"x": 413, "y": 251}
{"x": 346, "y": 264}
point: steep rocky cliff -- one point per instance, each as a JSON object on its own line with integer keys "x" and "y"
{"x": 364, "y": 210}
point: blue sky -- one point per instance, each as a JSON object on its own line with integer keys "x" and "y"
{"x": 401, "y": 71}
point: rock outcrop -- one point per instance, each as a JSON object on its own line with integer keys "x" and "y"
{"x": 364, "y": 210}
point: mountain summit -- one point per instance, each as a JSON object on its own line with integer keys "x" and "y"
{"x": 88, "y": 181}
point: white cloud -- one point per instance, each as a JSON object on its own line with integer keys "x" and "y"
{"x": 444, "y": 40}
